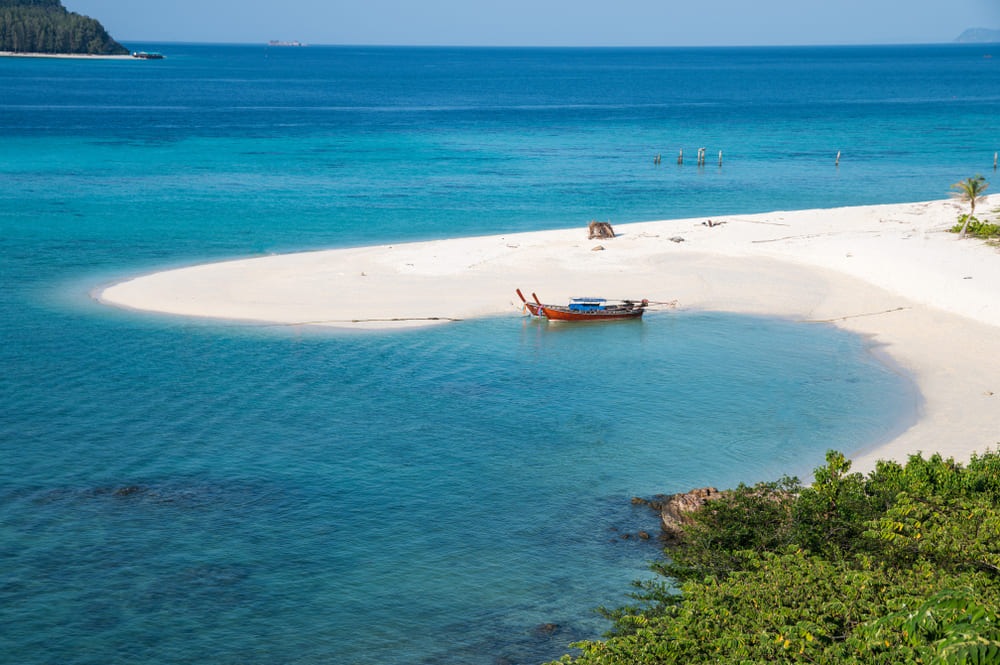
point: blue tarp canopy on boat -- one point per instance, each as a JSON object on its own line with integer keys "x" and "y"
{"x": 586, "y": 303}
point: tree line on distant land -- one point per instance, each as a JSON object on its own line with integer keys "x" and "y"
{"x": 900, "y": 566}
{"x": 45, "y": 26}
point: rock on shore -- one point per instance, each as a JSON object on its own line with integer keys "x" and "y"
{"x": 675, "y": 510}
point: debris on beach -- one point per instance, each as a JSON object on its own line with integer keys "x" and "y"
{"x": 600, "y": 230}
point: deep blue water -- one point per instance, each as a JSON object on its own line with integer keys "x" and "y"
{"x": 175, "y": 490}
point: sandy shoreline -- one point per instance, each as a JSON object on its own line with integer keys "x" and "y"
{"x": 929, "y": 301}
{"x": 70, "y": 56}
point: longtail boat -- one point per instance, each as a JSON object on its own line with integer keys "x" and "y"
{"x": 586, "y": 309}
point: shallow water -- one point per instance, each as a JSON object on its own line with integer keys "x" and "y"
{"x": 433, "y": 496}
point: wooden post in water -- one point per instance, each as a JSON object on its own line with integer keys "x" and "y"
{"x": 720, "y": 159}
{"x": 701, "y": 156}
{"x": 680, "y": 157}
{"x": 837, "y": 163}
{"x": 994, "y": 161}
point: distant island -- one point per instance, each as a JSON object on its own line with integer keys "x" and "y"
{"x": 46, "y": 27}
{"x": 979, "y": 36}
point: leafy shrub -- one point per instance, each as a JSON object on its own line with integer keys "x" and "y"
{"x": 976, "y": 228}
{"x": 901, "y": 566}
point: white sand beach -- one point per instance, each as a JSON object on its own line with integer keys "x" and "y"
{"x": 929, "y": 301}
{"x": 67, "y": 56}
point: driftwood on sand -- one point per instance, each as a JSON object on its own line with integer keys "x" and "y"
{"x": 600, "y": 230}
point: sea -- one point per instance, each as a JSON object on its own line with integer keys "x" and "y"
{"x": 178, "y": 490}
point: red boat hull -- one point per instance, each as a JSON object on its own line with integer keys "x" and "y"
{"x": 553, "y": 313}
{"x": 533, "y": 308}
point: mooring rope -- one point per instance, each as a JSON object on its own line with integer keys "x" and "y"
{"x": 392, "y": 320}
{"x": 855, "y": 316}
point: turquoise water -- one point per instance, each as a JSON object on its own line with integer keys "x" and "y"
{"x": 174, "y": 490}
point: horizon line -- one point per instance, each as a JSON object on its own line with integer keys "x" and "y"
{"x": 290, "y": 44}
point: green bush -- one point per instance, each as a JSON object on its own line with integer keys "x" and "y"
{"x": 976, "y": 228}
{"x": 901, "y": 566}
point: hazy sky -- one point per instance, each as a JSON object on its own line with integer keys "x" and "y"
{"x": 543, "y": 22}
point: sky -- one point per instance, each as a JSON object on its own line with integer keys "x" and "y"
{"x": 542, "y": 22}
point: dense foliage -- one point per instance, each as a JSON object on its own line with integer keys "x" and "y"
{"x": 44, "y": 26}
{"x": 901, "y": 566}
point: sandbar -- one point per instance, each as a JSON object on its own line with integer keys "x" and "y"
{"x": 893, "y": 273}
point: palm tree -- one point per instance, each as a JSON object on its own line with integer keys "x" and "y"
{"x": 971, "y": 190}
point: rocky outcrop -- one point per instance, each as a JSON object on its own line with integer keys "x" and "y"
{"x": 675, "y": 510}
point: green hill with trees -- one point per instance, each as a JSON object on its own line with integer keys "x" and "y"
{"x": 45, "y": 26}
{"x": 901, "y": 566}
